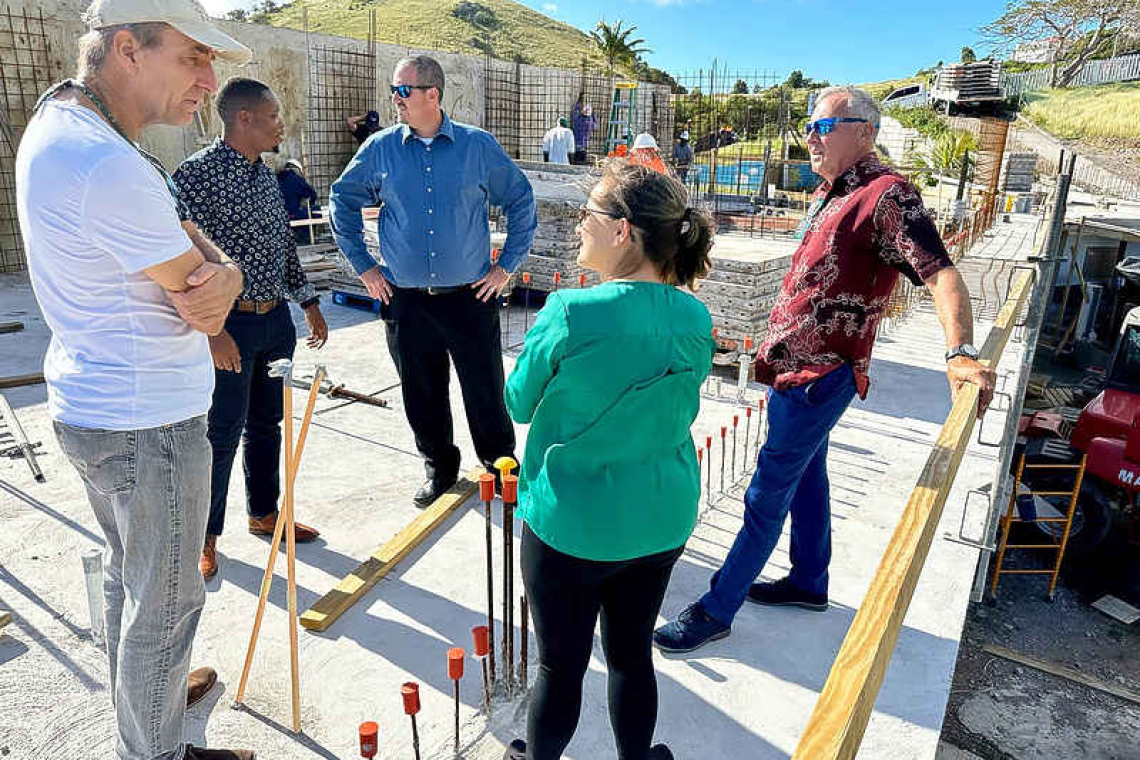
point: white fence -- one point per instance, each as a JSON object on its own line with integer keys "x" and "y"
{"x": 1119, "y": 69}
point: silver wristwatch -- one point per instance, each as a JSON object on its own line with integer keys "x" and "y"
{"x": 965, "y": 349}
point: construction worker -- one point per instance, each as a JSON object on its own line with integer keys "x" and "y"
{"x": 558, "y": 143}
{"x": 645, "y": 153}
{"x": 682, "y": 156}
{"x": 610, "y": 479}
{"x": 299, "y": 195}
{"x": 234, "y": 198}
{"x": 362, "y": 126}
{"x": 130, "y": 293}
{"x": 866, "y": 226}
{"x": 583, "y": 122}
{"x": 437, "y": 286}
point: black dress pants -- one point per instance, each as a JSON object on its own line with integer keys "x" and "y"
{"x": 426, "y": 333}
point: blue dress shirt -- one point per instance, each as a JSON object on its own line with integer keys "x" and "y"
{"x": 435, "y": 197}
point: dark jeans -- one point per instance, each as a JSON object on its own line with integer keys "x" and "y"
{"x": 578, "y": 157}
{"x": 425, "y": 334}
{"x": 248, "y": 406}
{"x": 566, "y": 594}
{"x": 791, "y": 475}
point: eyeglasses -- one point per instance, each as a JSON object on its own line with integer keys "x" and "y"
{"x": 584, "y": 210}
{"x": 825, "y": 126}
{"x": 405, "y": 90}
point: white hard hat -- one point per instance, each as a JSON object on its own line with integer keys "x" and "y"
{"x": 685, "y": 134}
{"x": 644, "y": 140}
{"x": 295, "y": 164}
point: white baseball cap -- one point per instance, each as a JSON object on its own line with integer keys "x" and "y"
{"x": 187, "y": 16}
{"x": 644, "y": 140}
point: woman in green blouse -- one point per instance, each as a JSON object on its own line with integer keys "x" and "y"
{"x": 609, "y": 380}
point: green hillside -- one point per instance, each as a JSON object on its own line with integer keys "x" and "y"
{"x": 1108, "y": 110}
{"x": 502, "y": 28}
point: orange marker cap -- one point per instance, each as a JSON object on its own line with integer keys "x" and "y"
{"x": 557, "y": 277}
{"x": 368, "y": 732}
{"x": 760, "y": 403}
{"x": 714, "y": 333}
{"x": 526, "y": 277}
{"x": 748, "y": 412}
{"x": 708, "y": 441}
{"x": 510, "y": 489}
{"x": 723, "y": 430}
{"x": 482, "y": 640}
{"x": 411, "y": 694}
{"x": 748, "y": 344}
{"x": 487, "y": 487}
{"x": 700, "y": 455}
{"x": 582, "y": 280}
{"x": 735, "y": 419}
{"x": 455, "y": 657}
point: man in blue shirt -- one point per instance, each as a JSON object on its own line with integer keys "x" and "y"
{"x": 299, "y": 196}
{"x": 434, "y": 180}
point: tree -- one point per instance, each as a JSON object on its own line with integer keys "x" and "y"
{"x": 740, "y": 88}
{"x": 615, "y": 45}
{"x": 237, "y": 14}
{"x": 967, "y": 55}
{"x": 1075, "y": 27}
{"x": 796, "y": 80}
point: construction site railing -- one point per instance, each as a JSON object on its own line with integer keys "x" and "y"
{"x": 835, "y": 729}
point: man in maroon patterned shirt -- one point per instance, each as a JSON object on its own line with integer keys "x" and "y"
{"x": 866, "y": 226}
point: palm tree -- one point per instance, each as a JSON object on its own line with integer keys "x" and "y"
{"x": 615, "y": 44}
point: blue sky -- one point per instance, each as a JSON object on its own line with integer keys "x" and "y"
{"x": 838, "y": 40}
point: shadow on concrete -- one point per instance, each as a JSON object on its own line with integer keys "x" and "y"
{"x": 893, "y": 392}
{"x": 37, "y": 504}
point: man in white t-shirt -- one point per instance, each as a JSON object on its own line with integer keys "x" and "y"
{"x": 130, "y": 293}
{"x": 558, "y": 143}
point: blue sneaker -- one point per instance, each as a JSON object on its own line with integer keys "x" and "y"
{"x": 692, "y": 629}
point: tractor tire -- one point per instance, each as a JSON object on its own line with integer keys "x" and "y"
{"x": 1091, "y": 521}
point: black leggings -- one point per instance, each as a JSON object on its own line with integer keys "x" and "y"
{"x": 565, "y": 594}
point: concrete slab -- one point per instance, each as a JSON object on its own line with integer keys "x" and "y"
{"x": 750, "y": 694}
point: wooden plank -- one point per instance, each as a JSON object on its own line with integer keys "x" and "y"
{"x": 16, "y": 381}
{"x": 835, "y": 728}
{"x": 5, "y": 618}
{"x": 1069, "y": 674}
{"x": 332, "y": 605}
{"x": 11, "y": 327}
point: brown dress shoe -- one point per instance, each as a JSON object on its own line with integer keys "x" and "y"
{"x": 201, "y": 753}
{"x": 199, "y": 684}
{"x": 208, "y": 563}
{"x": 263, "y": 526}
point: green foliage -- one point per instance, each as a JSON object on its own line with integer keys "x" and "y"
{"x": 614, "y": 44}
{"x": 500, "y": 28}
{"x": 925, "y": 120}
{"x": 967, "y": 55}
{"x": 741, "y": 87}
{"x": 1107, "y": 110}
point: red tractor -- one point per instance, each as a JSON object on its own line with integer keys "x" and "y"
{"x": 1108, "y": 431}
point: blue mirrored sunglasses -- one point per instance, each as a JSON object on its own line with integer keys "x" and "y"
{"x": 824, "y": 126}
{"x": 405, "y": 90}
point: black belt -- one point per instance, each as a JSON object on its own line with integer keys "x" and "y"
{"x": 439, "y": 290}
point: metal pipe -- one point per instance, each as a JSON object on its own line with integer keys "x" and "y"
{"x": 26, "y": 448}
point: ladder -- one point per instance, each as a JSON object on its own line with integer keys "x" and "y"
{"x": 623, "y": 116}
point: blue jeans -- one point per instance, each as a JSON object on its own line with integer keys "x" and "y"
{"x": 791, "y": 475}
{"x": 150, "y": 491}
{"x": 248, "y": 406}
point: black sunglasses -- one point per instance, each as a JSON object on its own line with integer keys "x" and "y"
{"x": 583, "y": 210}
{"x": 405, "y": 90}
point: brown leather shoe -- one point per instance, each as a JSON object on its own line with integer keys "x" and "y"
{"x": 208, "y": 563}
{"x": 201, "y": 753}
{"x": 199, "y": 684}
{"x": 263, "y": 526}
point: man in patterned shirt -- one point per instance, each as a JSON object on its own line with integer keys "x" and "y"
{"x": 235, "y": 199}
{"x": 867, "y": 225}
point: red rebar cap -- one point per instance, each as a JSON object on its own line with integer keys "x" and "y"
{"x": 494, "y": 254}
{"x": 582, "y": 280}
{"x": 557, "y": 277}
{"x": 526, "y": 277}
{"x": 411, "y": 694}
{"x": 760, "y": 403}
{"x": 748, "y": 344}
{"x": 748, "y": 411}
{"x": 487, "y": 487}
{"x": 723, "y": 431}
{"x": 455, "y": 657}
{"x": 714, "y": 332}
{"x": 482, "y": 640}
{"x": 708, "y": 441}
{"x": 368, "y": 732}
{"x": 510, "y": 489}
{"x": 700, "y": 455}
{"x": 735, "y": 419}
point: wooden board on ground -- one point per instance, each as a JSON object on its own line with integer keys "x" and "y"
{"x": 17, "y": 381}
{"x": 5, "y": 618}
{"x": 332, "y": 605}
{"x": 1069, "y": 674}
{"x": 10, "y": 327}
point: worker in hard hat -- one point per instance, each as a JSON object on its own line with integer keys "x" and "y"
{"x": 645, "y": 153}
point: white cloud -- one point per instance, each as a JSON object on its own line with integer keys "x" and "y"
{"x": 550, "y": 8}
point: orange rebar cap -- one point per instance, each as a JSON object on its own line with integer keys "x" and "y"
{"x": 481, "y": 635}
{"x": 748, "y": 344}
{"x": 557, "y": 277}
{"x": 714, "y": 333}
{"x": 510, "y": 489}
{"x": 487, "y": 487}
{"x": 526, "y": 277}
{"x": 455, "y": 657}
{"x": 582, "y": 280}
{"x": 700, "y": 454}
{"x": 735, "y": 420}
{"x": 708, "y": 441}
{"x": 748, "y": 411}
{"x": 411, "y": 694}
{"x": 368, "y": 733}
{"x": 723, "y": 431}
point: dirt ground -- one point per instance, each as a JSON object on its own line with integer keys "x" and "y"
{"x": 1001, "y": 710}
